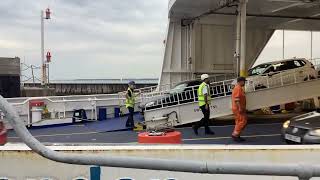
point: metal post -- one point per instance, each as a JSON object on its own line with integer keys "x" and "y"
{"x": 243, "y": 13}
{"x": 32, "y": 75}
{"x": 43, "y": 75}
{"x": 224, "y": 89}
{"x": 302, "y": 178}
{"x": 238, "y": 37}
{"x": 283, "y": 44}
{"x": 48, "y": 77}
{"x": 311, "y": 45}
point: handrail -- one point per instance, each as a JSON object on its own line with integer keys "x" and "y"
{"x": 223, "y": 88}
{"x": 303, "y": 171}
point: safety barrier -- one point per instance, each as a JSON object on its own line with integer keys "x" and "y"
{"x": 62, "y": 107}
{"x": 224, "y": 88}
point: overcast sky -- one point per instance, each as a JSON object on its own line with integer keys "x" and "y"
{"x": 105, "y": 38}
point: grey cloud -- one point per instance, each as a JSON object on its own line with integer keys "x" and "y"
{"x": 88, "y": 39}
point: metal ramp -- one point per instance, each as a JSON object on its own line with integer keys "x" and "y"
{"x": 175, "y": 109}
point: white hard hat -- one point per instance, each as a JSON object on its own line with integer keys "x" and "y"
{"x": 204, "y": 76}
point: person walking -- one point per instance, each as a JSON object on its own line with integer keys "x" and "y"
{"x": 130, "y": 103}
{"x": 204, "y": 97}
{"x": 239, "y": 109}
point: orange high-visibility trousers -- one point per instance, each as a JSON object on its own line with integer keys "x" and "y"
{"x": 240, "y": 122}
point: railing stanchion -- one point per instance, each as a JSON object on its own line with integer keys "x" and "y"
{"x": 194, "y": 94}
{"x": 224, "y": 89}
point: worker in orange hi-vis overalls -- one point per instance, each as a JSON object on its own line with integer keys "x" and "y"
{"x": 239, "y": 109}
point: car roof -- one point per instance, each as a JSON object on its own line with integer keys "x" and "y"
{"x": 189, "y": 81}
{"x": 279, "y": 61}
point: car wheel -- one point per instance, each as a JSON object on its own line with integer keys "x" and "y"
{"x": 308, "y": 78}
{"x": 290, "y": 142}
{"x": 260, "y": 87}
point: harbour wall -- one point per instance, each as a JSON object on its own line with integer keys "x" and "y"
{"x": 66, "y": 88}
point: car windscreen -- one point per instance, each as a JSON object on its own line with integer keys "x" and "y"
{"x": 178, "y": 88}
{"x": 258, "y": 69}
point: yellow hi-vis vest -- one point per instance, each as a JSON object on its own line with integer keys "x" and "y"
{"x": 130, "y": 101}
{"x": 201, "y": 95}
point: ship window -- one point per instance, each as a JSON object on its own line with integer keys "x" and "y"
{"x": 126, "y": 179}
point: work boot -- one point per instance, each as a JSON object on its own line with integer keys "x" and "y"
{"x": 195, "y": 129}
{"x": 238, "y": 139}
{"x": 208, "y": 131}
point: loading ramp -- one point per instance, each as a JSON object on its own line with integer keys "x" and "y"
{"x": 182, "y": 108}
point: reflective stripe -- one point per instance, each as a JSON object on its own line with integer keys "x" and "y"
{"x": 130, "y": 101}
{"x": 201, "y": 95}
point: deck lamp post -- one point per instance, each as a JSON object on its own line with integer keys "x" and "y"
{"x": 44, "y": 78}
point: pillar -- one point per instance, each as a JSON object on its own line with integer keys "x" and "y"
{"x": 243, "y": 29}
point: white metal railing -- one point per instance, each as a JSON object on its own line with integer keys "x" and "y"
{"x": 283, "y": 78}
{"x": 189, "y": 94}
{"x": 224, "y": 88}
{"x": 147, "y": 94}
{"x": 63, "y": 106}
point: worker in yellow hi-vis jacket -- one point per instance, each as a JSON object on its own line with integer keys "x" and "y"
{"x": 130, "y": 103}
{"x": 204, "y": 97}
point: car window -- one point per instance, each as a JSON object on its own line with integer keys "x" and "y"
{"x": 269, "y": 70}
{"x": 258, "y": 69}
{"x": 297, "y": 63}
{"x": 194, "y": 83}
{"x": 283, "y": 66}
{"x": 178, "y": 88}
{"x": 302, "y": 62}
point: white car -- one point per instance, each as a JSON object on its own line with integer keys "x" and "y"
{"x": 279, "y": 73}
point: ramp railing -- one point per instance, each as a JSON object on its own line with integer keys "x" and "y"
{"x": 184, "y": 95}
{"x": 300, "y": 170}
{"x": 150, "y": 93}
{"x": 220, "y": 89}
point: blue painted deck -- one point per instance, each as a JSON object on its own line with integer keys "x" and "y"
{"x": 114, "y": 124}
{"x": 113, "y": 131}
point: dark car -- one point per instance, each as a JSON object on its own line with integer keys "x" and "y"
{"x": 186, "y": 92}
{"x": 303, "y": 129}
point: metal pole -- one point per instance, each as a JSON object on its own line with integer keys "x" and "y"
{"x": 238, "y": 37}
{"x": 48, "y": 77}
{"x": 283, "y": 44}
{"x": 43, "y": 75}
{"x": 311, "y": 45}
{"x": 303, "y": 171}
{"x": 32, "y": 75}
{"x": 243, "y": 12}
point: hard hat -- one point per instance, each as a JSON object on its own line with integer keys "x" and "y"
{"x": 204, "y": 76}
{"x": 131, "y": 83}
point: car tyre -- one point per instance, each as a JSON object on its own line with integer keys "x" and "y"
{"x": 290, "y": 142}
{"x": 260, "y": 87}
